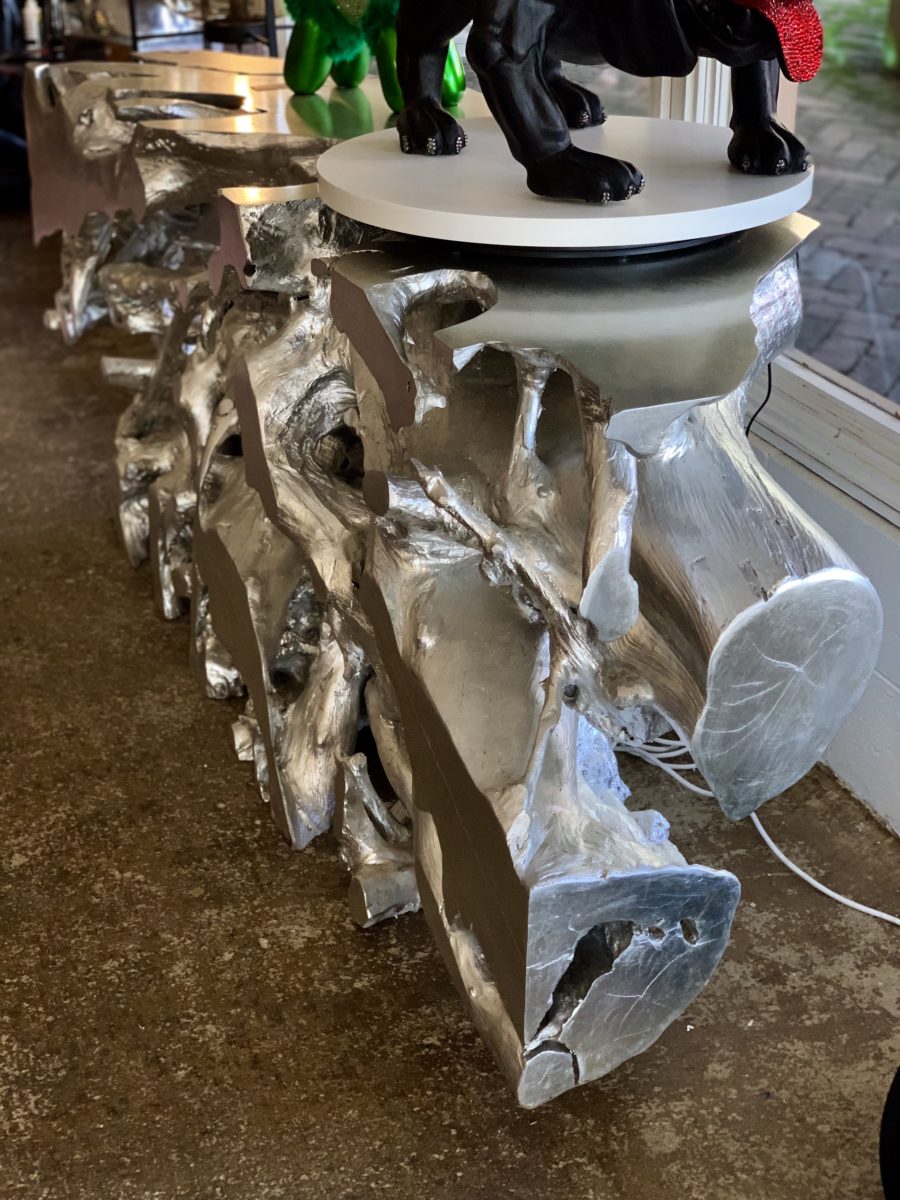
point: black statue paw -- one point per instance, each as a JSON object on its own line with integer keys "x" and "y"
{"x": 767, "y": 149}
{"x": 425, "y": 128}
{"x": 575, "y": 174}
{"x": 580, "y": 107}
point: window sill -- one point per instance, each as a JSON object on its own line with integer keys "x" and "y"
{"x": 836, "y": 429}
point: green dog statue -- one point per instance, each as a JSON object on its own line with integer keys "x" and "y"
{"x": 339, "y": 37}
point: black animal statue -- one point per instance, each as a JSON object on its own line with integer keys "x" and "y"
{"x": 516, "y": 48}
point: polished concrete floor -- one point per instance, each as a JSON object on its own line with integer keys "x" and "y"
{"x": 185, "y": 1007}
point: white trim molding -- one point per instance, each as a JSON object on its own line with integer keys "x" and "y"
{"x": 840, "y": 431}
{"x": 703, "y": 96}
{"x": 865, "y": 754}
{"x": 835, "y": 447}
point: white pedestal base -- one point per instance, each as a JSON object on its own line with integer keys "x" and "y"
{"x": 480, "y": 196}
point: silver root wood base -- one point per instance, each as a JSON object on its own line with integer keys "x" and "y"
{"x": 456, "y": 527}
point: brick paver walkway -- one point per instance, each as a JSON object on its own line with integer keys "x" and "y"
{"x": 849, "y": 116}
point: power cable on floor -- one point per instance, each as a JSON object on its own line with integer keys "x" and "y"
{"x": 660, "y": 751}
{"x": 820, "y": 887}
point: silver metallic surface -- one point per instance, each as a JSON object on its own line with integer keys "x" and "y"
{"x": 82, "y": 126}
{"x": 694, "y": 565}
{"x": 127, "y": 158}
{"x": 269, "y": 236}
{"x": 376, "y": 846}
{"x": 293, "y": 402}
{"x": 454, "y": 526}
{"x": 575, "y": 932}
{"x": 304, "y": 683}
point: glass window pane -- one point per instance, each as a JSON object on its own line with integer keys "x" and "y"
{"x": 849, "y": 116}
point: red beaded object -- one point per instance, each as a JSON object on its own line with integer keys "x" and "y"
{"x": 799, "y": 32}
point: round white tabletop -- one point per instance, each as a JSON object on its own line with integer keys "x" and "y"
{"x": 480, "y": 196}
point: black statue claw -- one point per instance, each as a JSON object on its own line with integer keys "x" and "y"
{"x": 767, "y": 149}
{"x": 425, "y": 128}
{"x": 575, "y": 174}
{"x": 580, "y": 107}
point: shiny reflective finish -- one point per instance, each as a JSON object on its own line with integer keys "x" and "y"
{"x": 127, "y": 158}
{"x": 456, "y": 525}
{"x": 692, "y": 565}
{"x": 530, "y": 571}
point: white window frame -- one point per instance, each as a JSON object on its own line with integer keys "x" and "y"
{"x": 841, "y": 432}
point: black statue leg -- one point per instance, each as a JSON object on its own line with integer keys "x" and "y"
{"x": 507, "y": 49}
{"x": 579, "y": 106}
{"x": 760, "y": 146}
{"x": 424, "y": 31}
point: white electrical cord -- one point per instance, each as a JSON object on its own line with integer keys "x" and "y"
{"x": 820, "y": 887}
{"x": 660, "y": 750}
{"x": 658, "y": 761}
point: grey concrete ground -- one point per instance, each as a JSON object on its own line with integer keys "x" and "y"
{"x": 186, "y": 1010}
